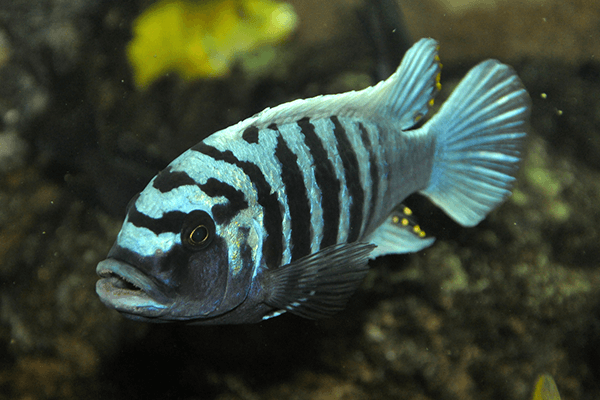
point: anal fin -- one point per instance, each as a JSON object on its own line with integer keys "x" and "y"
{"x": 399, "y": 234}
{"x": 319, "y": 285}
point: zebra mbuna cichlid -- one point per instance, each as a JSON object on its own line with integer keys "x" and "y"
{"x": 282, "y": 211}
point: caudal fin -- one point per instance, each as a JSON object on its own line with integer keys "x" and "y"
{"x": 478, "y": 133}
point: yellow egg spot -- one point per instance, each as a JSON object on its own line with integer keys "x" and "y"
{"x": 407, "y": 211}
{"x": 395, "y": 219}
{"x": 416, "y": 228}
{"x": 405, "y": 221}
{"x": 438, "y": 79}
{"x": 422, "y": 234}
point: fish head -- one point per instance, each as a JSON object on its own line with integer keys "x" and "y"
{"x": 181, "y": 255}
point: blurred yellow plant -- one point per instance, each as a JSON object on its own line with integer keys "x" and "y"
{"x": 202, "y": 39}
{"x": 545, "y": 389}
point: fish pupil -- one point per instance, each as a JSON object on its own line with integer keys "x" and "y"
{"x": 199, "y": 235}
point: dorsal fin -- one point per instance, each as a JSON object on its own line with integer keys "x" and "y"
{"x": 404, "y": 97}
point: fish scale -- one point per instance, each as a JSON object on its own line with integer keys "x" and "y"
{"x": 282, "y": 211}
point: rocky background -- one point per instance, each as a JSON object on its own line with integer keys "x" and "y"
{"x": 476, "y": 316}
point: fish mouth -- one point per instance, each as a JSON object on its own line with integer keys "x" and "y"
{"x": 128, "y": 290}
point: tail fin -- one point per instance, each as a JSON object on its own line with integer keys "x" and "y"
{"x": 478, "y": 133}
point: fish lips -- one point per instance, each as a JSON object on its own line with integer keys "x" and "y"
{"x": 130, "y": 291}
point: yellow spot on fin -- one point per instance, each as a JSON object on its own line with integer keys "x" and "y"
{"x": 545, "y": 389}
{"x": 438, "y": 79}
{"x": 203, "y": 39}
{"x": 399, "y": 234}
{"x": 403, "y": 216}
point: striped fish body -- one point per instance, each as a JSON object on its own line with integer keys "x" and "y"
{"x": 282, "y": 211}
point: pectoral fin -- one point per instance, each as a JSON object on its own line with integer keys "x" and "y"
{"x": 320, "y": 284}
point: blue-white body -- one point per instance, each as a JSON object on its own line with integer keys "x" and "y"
{"x": 282, "y": 211}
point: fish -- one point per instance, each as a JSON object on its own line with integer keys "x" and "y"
{"x": 281, "y": 212}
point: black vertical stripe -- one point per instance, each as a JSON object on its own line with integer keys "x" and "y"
{"x": 297, "y": 197}
{"x": 170, "y": 222}
{"x": 250, "y": 134}
{"x": 352, "y": 173}
{"x": 273, "y": 244}
{"x": 373, "y": 170}
{"x": 223, "y": 213}
{"x": 167, "y": 180}
{"x": 327, "y": 182}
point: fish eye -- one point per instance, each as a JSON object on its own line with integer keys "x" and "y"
{"x": 199, "y": 235}
{"x": 198, "y": 230}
